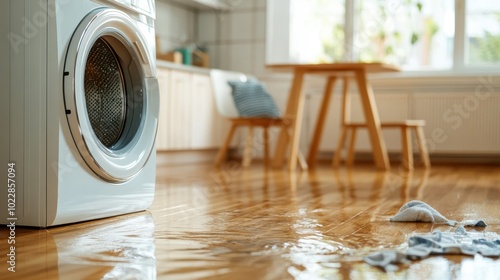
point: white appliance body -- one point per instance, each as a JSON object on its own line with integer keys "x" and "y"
{"x": 79, "y": 109}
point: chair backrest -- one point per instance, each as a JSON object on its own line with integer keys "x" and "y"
{"x": 223, "y": 91}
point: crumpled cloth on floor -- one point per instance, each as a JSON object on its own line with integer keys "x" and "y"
{"x": 437, "y": 242}
{"x": 421, "y": 246}
{"x": 473, "y": 223}
{"x": 418, "y": 211}
{"x": 387, "y": 260}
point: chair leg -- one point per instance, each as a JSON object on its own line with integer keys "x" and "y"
{"x": 248, "y": 149}
{"x": 266, "y": 146}
{"x": 221, "y": 155}
{"x": 407, "y": 150}
{"x": 350, "y": 155}
{"x": 340, "y": 146}
{"x": 302, "y": 161}
{"x": 424, "y": 154}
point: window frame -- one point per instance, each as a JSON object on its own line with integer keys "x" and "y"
{"x": 278, "y": 39}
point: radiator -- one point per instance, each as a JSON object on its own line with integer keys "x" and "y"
{"x": 462, "y": 114}
{"x": 464, "y": 123}
{"x": 457, "y": 123}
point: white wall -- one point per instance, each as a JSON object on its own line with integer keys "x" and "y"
{"x": 175, "y": 25}
{"x": 235, "y": 39}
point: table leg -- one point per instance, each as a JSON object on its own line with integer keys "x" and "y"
{"x": 320, "y": 122}
{"x": 372, "y": 121}
{"x": 294, "y": 111}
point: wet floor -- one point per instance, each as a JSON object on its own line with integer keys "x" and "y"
{"x": 257, "y": 224}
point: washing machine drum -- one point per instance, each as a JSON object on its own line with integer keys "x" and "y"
{"x": 111, "y": 95}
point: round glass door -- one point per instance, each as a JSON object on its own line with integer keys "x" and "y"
{"x": 111, "y": 95}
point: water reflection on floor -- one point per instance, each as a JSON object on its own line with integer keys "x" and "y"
{"x": 253, "y": 224}
{"x": 316, "y": 225}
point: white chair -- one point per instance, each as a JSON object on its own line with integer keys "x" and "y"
{"x": 227, "y": 108}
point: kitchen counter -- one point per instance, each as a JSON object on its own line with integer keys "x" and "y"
{"x": 182, "y": 67}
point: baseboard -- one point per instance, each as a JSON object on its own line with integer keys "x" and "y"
{"x": 208, "y": 156}
{"x": 185, "y": 157}
{"x": 435, "y": 158}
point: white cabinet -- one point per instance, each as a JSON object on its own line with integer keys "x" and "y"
{"x": 179, "y": 107}
{"x": 188, "y": 116}
{"x": 162, "y": 133}
{"x": 208, "y": 126}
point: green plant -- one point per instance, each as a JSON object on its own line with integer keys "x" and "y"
{"x": 487, "y": 48}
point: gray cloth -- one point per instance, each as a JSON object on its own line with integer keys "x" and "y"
{"x": 437, "y": 242}
{"x": 461, "y": 231}
{"x": 387, "y": 260}
{"x": 473, "y": 223}
{"x": 418, "y": 211}
{"x": 421, "y": 246}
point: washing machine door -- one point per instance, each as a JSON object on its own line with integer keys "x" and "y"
{"x": 111, "y": 95}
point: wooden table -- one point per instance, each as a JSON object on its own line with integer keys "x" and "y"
{"x": 295, "y": 107}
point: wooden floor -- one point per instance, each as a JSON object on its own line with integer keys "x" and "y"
{"x": 258, "y": 224}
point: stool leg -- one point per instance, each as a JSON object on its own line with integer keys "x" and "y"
{"x": 247, "y": 151}
{"x": 407, "y": 150}
{"x": 424, "y": 154}
{"x": 340, "y": 146}
{"x": 350, "y": 155}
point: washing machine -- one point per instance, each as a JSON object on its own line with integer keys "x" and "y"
{"x": 79, "y": 109}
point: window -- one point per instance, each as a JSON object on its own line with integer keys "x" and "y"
{"x": 414, "y": 34}
{"x": 482, "y": 32}
{"x": 317, "y": 29}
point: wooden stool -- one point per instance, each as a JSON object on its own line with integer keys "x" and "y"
{"x": 405, "y": 127}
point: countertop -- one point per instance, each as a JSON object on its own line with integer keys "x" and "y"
{"x": 182, "y": 67}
